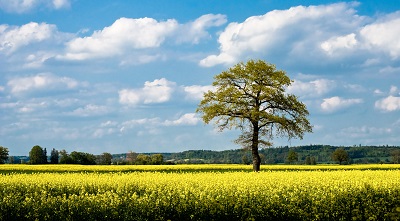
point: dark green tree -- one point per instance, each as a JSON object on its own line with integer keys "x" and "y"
{"x": 143, "y": 159}
{"x": 245, "y": 160}
{"x": 64, "y": 157}
{"x": 340, "y": 155}
{"x": 292, "y": 156}
{"x": 3, "y": 154}
{"x": 54, "y": 156}
{"x": 36, "y": 155}
{"x": 395, "y": 156}
{"x": 251, "y": 97}
{"x": 157, "y": 159}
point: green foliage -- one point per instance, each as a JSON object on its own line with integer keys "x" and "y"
{"x": 157, "y": 159}
{"x": 251, "y": 97}
{"x": 104, "y": 159}
{"x": 396, "y": 156}
{"x": 3, "y": 154}
{"x": 77, "y": 158}
{"x": 340, "y": 155}
{"x": 54, "y": 156}
{"x": 292, "y": 156}
{"x": 37, "y": 155}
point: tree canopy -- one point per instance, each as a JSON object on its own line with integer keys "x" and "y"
{"x": 37, "y": 155}
{"x": 3, "y": 154}
{"x": 251, "y": 97}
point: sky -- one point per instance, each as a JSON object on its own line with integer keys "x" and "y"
{"x": 118, "y": 76}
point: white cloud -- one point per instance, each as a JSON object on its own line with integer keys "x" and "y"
{"x": 388, "y": 104}
{"x": 22, "y": 6}
{"x": 12, "y": 37}
{"x": 44, "y": 81}
{"x": 336, "y": 103}
{"x": 384, "y": 35}
{"x": 364, "y": 131}
{"x": 302, "y": 26}
{"x": 313, "y": 88}
{"x": 196, "y": 30}
{"x": 196, "y": 92}
{"x": 186, "y": 119}
{"x": 90, "y": 110}
{"x": 123, "y": 35}
{"x": 1, "y": 88}
{"x": 338, "y": 43}
{"x": 157, "y": 91}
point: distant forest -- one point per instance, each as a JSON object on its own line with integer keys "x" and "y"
{"x": 320, "y": 154}
{"x": 279, "y": 155}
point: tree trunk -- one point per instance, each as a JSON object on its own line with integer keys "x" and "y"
{"x": 254, "y": 148}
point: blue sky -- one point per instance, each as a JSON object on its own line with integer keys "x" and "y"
{"x": 115, "y": 76}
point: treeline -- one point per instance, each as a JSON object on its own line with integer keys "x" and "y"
{"x": 38, "y": 155}
{"x": 308, "y": 154}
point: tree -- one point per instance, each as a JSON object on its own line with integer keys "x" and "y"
{"x": 292, "y": 156}
{"x": 54, "y": 156}
{"x": 251, "y": 97}
{"x": 131, "y": 157}
{"x": 65, "y": 158}
{"x": 340, "y": 155}
{"x": 143, "y": 159}
{"x": 105, "y": 158}
{"x": 157, "y": 159}
{"x": 36, "y": 155}
{"x": 3, "y": 154}
{"x": 245, "y": 160}
{"x": 395, "y": 156}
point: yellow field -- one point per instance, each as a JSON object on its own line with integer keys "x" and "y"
{"x": 199, "y": 192}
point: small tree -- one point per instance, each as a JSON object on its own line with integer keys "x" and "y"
{"x": 44, "y": 156}
{"x": 157, "y": 159}
{"x": 105, "y": 158}
{"x": 313, "y": 161}
{"x": 143, "y": 159}
{"x": 292, "y": 156}
{"x": 3, "y": 154}
{"x": 36, "y": 155}
{"x": 251, "y": 97}
{"x": 65, "y": 158}
{"x": 245, "y": 160}
{"x": 54, "y": 156}
{"x": 131, "y": 157}
{"x": 308, "y": 160}
{"x": 340, "y": 155}
{"x": 396, "y": 156}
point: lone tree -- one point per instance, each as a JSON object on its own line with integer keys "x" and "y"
{"x": 340, "y": 155}
{"x": 37, "y": 155}
{"x": 292, "y": 156}
{"x": 251, "y": 97}
{"x": 3, "y": 154}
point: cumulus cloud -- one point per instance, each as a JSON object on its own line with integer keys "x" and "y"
{"x": 196, "y": 92}
{"x": 302, "y": 26}
{"x": 186, "y": 119}
{"x": 43, "y": 81}
{"x": 383, "y": 35}
{"x": 336, "y": 103}
{"x": 157, "y": 91}
{"x": 194, "y": 31}
{"x": 13, "y": 37}
{"x": 123, "y": 34}
{"x": 22, "y": 6}
{"x": 388, "y": 104}
{"x": 313, "y": 88}
{"x": 339, "y": 43}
